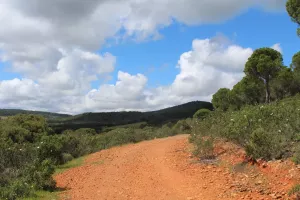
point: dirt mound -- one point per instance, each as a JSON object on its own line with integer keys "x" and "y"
{"x": 164, "y": 169}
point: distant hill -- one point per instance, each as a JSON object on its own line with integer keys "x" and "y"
{"x": 106, "y": 119}
{"x": 47, "y": 115}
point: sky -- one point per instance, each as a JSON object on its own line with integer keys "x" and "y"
{"x": 74, "y": 56}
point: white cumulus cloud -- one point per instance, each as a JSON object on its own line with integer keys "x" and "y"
{"x": 52, "y": 45}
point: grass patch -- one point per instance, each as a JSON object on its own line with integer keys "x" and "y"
{"x": 44, "y": 195}
{"x": 295, "y": 190}
{"x": 73, "y": 163}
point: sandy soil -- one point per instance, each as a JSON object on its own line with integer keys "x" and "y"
{"x": 163, "y": 169}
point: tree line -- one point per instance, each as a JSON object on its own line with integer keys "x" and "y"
{"x": 266, "y": 78}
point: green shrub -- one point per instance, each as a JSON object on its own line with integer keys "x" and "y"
{"x": 263, "y": 145}
{"x": 296, "y": 157}
{"x": 182, "y": 126}
{"x": 270, "y": 131}
{"x": 66, "y": 157}
{"x": 40, "y": 175}
{"x": 201, "y": 114}
{"x": 204, "y": 148}
{"x": 15, "y": 190}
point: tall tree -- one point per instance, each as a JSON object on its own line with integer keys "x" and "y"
{"x": 285, "y": 84}
{"x": 249, "y": 91}
{"x": 293, "y": 8}
{"x": 264, "y": 64}
{"x": 296, "y": 62}
{"x": 221, "y": 99}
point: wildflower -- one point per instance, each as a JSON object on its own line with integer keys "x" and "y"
{"x": 271, "y": 114}
{"x": 262, "y": 107}
{"x": 232, "y": 120}
{"x": 279, "y": 131}
{"x": 287, "y": 119}
{"x": 259, "y": 120}
{"x": 38, "y": 147}
{"x": 20, "y": 149}
{"x": 42, "y": 142}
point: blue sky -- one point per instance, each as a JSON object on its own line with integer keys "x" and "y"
{"x": 254, "y": 29}
{"x": 56, "y": 59}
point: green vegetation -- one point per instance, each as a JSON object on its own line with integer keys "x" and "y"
{"x": 295, "y": 190}
{"x": 296, "y": 156}
{"x": 201, "y": 114}
{"x": 266, "y": 80}
{"x": 269, "y": 131}
{"x": 262, "y": 111}
{"x": 69, "y": 164}
{"x": 31, "y": 152}
{"x": 204, "y": 148}
{"x": 47, "y": 115}
{"x": 102, "y": 121}
{"x": 264, "y": 64}
{"x": 221, "y": 99}
{"x": 44, "y": 195}
{"x": 293, "y": 9}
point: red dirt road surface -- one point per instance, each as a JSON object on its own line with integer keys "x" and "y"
{"x": 160, "y": 169}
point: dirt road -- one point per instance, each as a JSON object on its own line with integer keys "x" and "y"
{"x": 160, "y": 169}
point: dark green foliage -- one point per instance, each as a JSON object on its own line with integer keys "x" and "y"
{"x": 249, "y": 91}
{"x": 293, "y": 9}
{"x": 287, "y": 83}
{"x": 15, "y": 190}
{"x": 295, "y": 65}
{"x": 262, "y": 144}
{"x": 221, "y": 99}
{"x": 269, "y": 131}
{"x": 66, "y": 157}
{"x": 99, "y": 121}
{"x": 40, "y": 175}
{"x": 266, "y": 80}
{"x": 47, "y": 115}
{"x": 201, "y": 114}
{"x": 182, "y": 126}
{"x": 29, "y": 151}
{"x": 264, "y": 64}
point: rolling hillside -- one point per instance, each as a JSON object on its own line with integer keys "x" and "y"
{"x": 47, "y": 115}
{"x": 100, "y": 120}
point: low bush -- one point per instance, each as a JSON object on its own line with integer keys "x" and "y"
{"x": 204, "y": 148}
{"x": 29, "y": 150}
{"x": 263, "y": 145}
{"x": 267, "y": 131}
{"x": 201, "y": 114}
